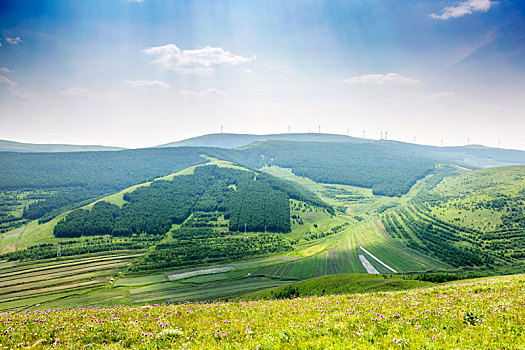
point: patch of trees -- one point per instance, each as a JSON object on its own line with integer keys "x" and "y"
{"x": 198, "y": 246}
{"x": 242, "y": 197}
{"x": 80, "y": 247}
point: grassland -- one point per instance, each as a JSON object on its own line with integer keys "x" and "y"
{"x": 477, "y": 314}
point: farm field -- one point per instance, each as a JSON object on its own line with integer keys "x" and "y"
{"x": 474, "y": 314}
{"x": 27, "y": 285}
{"x": 340, "y": 254}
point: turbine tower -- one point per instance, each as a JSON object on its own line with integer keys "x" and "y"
{"x": 221, "y": 129}
{"x": 363, "y": 133}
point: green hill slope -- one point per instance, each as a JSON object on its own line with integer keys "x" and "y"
{"x": 339, "y": 284}
{"x": 473, "y": 218}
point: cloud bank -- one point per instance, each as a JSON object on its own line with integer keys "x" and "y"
{"x": 210, "y": 92}
{"x": 200, "y": 61}
{"x": 464, "y": 8}
{"x": 148, "y": 84}
{"x": 380, "y": 79}
{"x": 17, "y": 91}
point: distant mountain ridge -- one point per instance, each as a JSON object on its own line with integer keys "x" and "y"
{"x": 13, "y": 146}
{"x": 227, "y": 140}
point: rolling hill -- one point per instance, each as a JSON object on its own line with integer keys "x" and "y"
{"x": 12, "y": 146}
{"x": 227, "y": 140}
{"x": 168, "y": 224}
{"x": 471, "y": 156}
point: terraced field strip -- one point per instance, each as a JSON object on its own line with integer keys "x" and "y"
{"x": 55, "y": 281}
{"x": 22, "y": 267}
{"x": 209, "y": 292}
{"x": 46, "y": 290}
{"x": 55, "y": 273}
{"x": 51, "y": 280}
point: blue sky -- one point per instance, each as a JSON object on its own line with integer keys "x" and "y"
{"x": 141, "y": 73}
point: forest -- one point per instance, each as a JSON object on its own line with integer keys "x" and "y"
{"x": 260, "y": 201}
{"x": 75, "y": 178}
{"x": 80, "y": 176}
{"x": 387, "y": 171}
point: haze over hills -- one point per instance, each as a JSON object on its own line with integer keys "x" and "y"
{"x": 228, "y": 140}
{"x": 475, "y": 156}
{"x": 472, "y": 156}
{"x": 12, "y": 146}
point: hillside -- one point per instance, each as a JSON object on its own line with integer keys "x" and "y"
{"x": 12, "y": 146}
{"x": 469, "y": 218}
{"x": 227, "y": 140}
{"x": 477, "y": 314}
{"x": 156, "y": 225}
{"x": 472, "y": 156}
{"x": 338, "y": 284}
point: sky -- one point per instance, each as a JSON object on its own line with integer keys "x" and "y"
{"x": 139, "y": 73}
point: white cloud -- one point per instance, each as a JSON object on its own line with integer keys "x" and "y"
{"x": 78, "y": 92}
{"x": 14, "y": 41}
{"x": 25, "y": 94}
{"x": 148, "y": 84}
{"x": 17, "y": 91}
{"x": 439, "y": 96}
{"x": 380, "y": 79}
{"x": 464, "y": 8}
{"x": 201, "y": 61}
{"x": 6, "y": 82}
{"x": 210, "y": 92}
{"x": 6, "y": 70}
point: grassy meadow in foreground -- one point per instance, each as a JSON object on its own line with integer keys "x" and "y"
{"x": 477, "y": 314}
